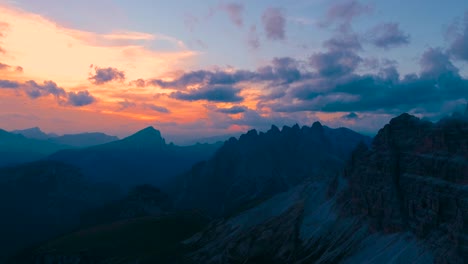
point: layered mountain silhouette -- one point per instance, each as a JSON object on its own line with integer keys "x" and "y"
{"x": 141, "y": 158}
{"x": 35, "y": 133}
{"x": 72, "y": 140}
{"x": 16, "y": 149}
{"x": 260, "y": 165}
{"x": 295, "y": 195}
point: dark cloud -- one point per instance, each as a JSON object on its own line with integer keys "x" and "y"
{"x": 214, "y": 93}
{"x": 458, "y": 47}
{"x": 281, "y": 71}
{"x": 350, "y": 116}
{"x": 232, "y": 110}
{"x": 435, "y": 62}
{"x": 388, "y": 35}
{"x": 341, "y": 58}
{"x": 9, "y": 84}
{"x": 438, "y": 84}
{"x": 35, "y": 90}
{"x": 80, "y": 98}
{"x": 156, "y": 108}
{"x": 253, "y": 39}
{"x": 274, "y": 24}
{"x": 346, "y": 11}
{"x": 335, "y": 63}
{"x": 126, "y": 104}
{"x": 105, "y": 75}
{"x": 187, "y": 79}
{"x": 235, "y": 12}
{"x": 344, "y": 41}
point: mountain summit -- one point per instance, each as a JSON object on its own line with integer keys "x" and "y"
{"x": 148, "y": 137}
{"x": 34, "y": 132}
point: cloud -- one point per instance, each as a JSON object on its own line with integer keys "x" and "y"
{"x": 213, "y": 93}
{"x": 351, "y": 116}
{"x": 156, "y": 108}
{"x": 80, "y": 98}
{"x": 281, "y": 71}
{"x": 335, "y": 63}
{"x": 138, "y": 83}
{"x": 344, "y": 41}
{"x": 138, "y": 54}
{"x": 9, "y": 84}
{"x": 6, "y": 67}
{"x": 458, "y": 47}
{"x": 235, "y": 12}
{"x": 126, "y": 104}
{"x": 232, "y": 110}
{"x": 274, "y": 24}
{"x": 435, "y": 62}
{"x": 35, "y": 90}
{"x": 253, "y": 39}
{"x": 388, "y": 35}
{"x": 438, "y": 83}
{"x": 346, "y": 11}
{"x": 105, "y": 75}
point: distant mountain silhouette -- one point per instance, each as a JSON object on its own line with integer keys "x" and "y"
{"x": 16, "y": 149}
{"x": 260, "y": 165}
{"x": 84, "y": 139}
{"x": 35, "y": 133}
{"x": 141, "y": 158}
{"x": 43, "y": 199}
{"x": 73, "y": 140}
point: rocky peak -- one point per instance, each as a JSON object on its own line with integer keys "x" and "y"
{"x": 273, "y": 130}
{"x": 317, "y": 125}
{"x": 149, "y": 136}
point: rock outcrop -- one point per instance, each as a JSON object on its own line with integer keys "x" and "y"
{"x": 415, "y": 178}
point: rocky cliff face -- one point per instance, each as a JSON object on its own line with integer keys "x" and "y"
{"x": 415, "y": 178}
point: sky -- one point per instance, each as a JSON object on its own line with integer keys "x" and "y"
{"x": 195, "y": 69}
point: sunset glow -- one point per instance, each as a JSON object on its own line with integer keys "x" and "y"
{"x": 65, "y": 78}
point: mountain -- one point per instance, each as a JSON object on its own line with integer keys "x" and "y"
{"x": 415, "y": 178}
{"x": 260, "y": 165}
{"x": 43, "y": 199}
{"x": 141, "y": 158}
{"x": 71, "y": 140}
{"x": 401, "y": 199}
{"x": 34, "y": 132}
{"x": 83, "y": 140}
{"x": 404, "y": 199}
{"x": 16, "y": 149}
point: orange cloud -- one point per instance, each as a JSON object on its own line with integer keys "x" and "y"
{"x": 48, "y": 50}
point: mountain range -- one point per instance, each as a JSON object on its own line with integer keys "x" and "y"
{"x": 295, "y": 195}
{"x": 72, "y": 140}
{"x": 142, "y": 158}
